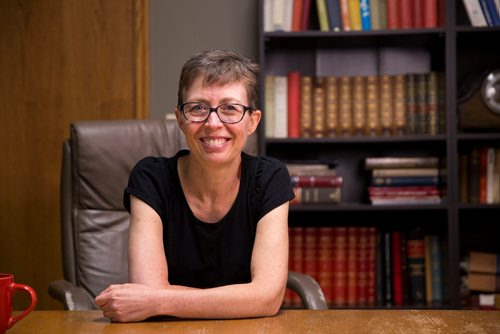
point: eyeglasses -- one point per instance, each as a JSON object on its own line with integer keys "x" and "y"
{"x": 229, "y": 113}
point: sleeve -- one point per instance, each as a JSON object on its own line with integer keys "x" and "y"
{"x": 272, "y": 186}
{"x": 144, "y": 183}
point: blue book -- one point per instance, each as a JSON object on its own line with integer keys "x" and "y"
{"x": 364, "y": 6}
{"x": 486, "y": 12}
{"x": 492, "y": 9}
{"x": 334, "y": 16}
{"x": 405, "y": 181}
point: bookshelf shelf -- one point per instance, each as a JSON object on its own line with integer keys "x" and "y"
{"x": 453, "y": 48}
{"x": 366, "y": 207}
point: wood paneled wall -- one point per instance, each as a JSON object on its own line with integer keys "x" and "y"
{"x": 61, "y": 61}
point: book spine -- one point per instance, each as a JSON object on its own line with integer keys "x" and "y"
{"x": 316, "y": 181}
{"x": 319, "y": 107}
{"x": 432, "y": 103}
{"x": 486, "y": 12}
{"x": 406, "y": 11}
{"x": 296, "y": 16}
{"x": 421, "y": 102}
{"x": 436, "y": 265}
{"x": 298, "y": 257}
{"x": 399, "y": 104}
{"x": 363, "y": 266}
{"x": 280, "y": 107}
{"x": 375, "y": 14}
{"x": 393, "y": 14}
{"x": 344, "y": 12}
{"x": 358, "y": 104}
{"x": 428, "y": 270}
{"x": 388, "y": 297}
{"x": 294, "y": 83}
{"x": 418, "y": 13}
{"x": 372, "y": 266}
{"x": 322, "y": 15}
{"x": 269, "y": 106}
{"x": 397, "y": 274}
{"x": 386, "y": 105}
{"x": 372, "y": 111}
{"x": 306, "y": 105}
{"x": 364, "y": 6}
{"x": 334, "y": 16}
{"x": 410, "y": 104}
{"x": 355, "y": 14}
{"x": 483, "y": 161}
{"x": 325, "y": 262}
{"x": 405, "y": 181}
{"x": 475, "y": 13}
{"x": 306, "y": 13}
{"x": 332, "y": 106}
{"x": 430, "y": 13}
{"x": 400, "y": 162}
{"x": 474, "y": 171}
{"x": 416, "y": 266}
{"x": 352, "y": 266}
{"x": 316, "y": 195}
{"x": 340, "y": 267}
{"x": 345, "y": 106}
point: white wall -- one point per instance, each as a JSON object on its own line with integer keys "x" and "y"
{"x": 181, "y": 28}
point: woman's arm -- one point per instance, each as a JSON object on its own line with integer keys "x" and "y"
{"x": 150, "y": 294}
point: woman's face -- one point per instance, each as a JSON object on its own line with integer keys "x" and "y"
{"x": 213, "y": 142}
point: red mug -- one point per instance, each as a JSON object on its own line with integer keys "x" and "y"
{"x": 7, "y": 290}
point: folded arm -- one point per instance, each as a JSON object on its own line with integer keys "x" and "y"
{"x": 150, "y": 294}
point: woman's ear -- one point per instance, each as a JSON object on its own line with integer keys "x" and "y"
{"x": 255, "y": 117}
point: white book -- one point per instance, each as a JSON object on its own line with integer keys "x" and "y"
{"x": 475, "y": 13}
{"x": 278, "y": 10}
{"x": 268, "y": 15}
{"x": 288, "y": 15}
{"x": 269, "y": 106}
{"x": 281, "y": 107}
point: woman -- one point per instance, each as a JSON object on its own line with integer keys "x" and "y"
{"x": 208, "y": 232}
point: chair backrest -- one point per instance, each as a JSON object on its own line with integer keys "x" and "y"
{"x": 97, "y": 160}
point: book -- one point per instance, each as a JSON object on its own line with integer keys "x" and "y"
{"x": 400, "y": 162}
{"x": 306, "y": 13}
{"x": 344, "y": 13}
{"x": 325, "y": 262}
{"x": 483, "y": 282}
{"x": 372, "y": 110}
{"x": 416, "y": 266}
{"x": 410, "y": 104}
{"x": 340, "y": 267}
{"x": 316, "y": 180}
{"x": 363, "y": 266}
{"x": 322, "y": 15}
{"x": 432, "y": 126}
{"x": 397, "y": 268}
{"x": 345, "y": 106}
{"x": 475, "y": 13}
{"x": 334, "y": 15}
{"x": 430, "y": 13}
{"x": 406, "y": 14}
{"x": 316, "y": 195}
{"x": 352, "y": 266}
{"x": 405, "y": 181}
{"x": 399, "y": 126}
{"x": 393, "y": 14}
{"x": 297, "y": 15}
{"x": 319, "y": 107}
{"x": 332, "y": 106}
{"x": 386, "y": 105}
{"x": 306, "y": 103}
{"x": 364, "y": 6}
{"x": 484, "y": 262}
{"x": 418, "y": 13}
{"x": 280, "y": 107}
{"x": 355, "y": 14}
{"x": 404, "y": 191}
{"x": 387, "y": 172}
{"x": 269, "y": 106}
{"x": 358, "y": 105}
{"x": 317, "y": 169}
{"x": 375, "y": 17}
{"x": 293, "y": 94}
{"x": 297, "y": 263}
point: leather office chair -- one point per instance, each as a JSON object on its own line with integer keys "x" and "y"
{"x": 97, "y": 160}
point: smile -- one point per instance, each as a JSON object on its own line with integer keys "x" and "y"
{"x": 214, "y": 141}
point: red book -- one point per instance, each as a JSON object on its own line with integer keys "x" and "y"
{"x": 418, "y": 13}
{"x": 294, "y": 104}
{"x": 441, "y": 13}
{"x": 392, "y": 8}
{"x": 430, "y": 13}
{"x": 340, "y": 267}
{"x": 306, "y": 12}
{"x": 397, "y": 277}
{"x": 352, "y": 266}
{"x": 363, "y": 266}
{"x": 316, "y": 180}
{"x": 297, "y": 263}
{"x": 311, "y": 252}
{"x": 325, "y": 262}
{"x": 406, "y": 10}
{"x": 372, "y": 266}
{"x": 297, "y": 15}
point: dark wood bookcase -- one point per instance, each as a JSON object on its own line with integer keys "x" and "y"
{"x": 458, "y": 50}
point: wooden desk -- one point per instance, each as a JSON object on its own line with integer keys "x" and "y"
{"x": 296, "y": 321}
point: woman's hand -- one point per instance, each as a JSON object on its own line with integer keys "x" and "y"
{"x": 127, "y": 302}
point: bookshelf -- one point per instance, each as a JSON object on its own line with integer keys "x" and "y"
{"x": 454, "y": 48}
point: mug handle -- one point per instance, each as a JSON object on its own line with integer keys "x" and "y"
{"x": 22, "y": 287}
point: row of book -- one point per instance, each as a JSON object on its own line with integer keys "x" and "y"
{"x": 483, "y": 13}
{"x": 352, "y": 15}
{"x": 405, "y": 180}
{"x": 307, "y": 106}
{"x": 481, "y": 280}
{"x": 360, "y": 266}
{"x": 315, "y": 183}
{"x": 480, "y": 175}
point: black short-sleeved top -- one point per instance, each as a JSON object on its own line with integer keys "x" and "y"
{"x": 200, "y": 254}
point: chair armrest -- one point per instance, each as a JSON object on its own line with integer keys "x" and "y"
{"x": 73, "y": 297}
{"x": 308, "y": 289}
